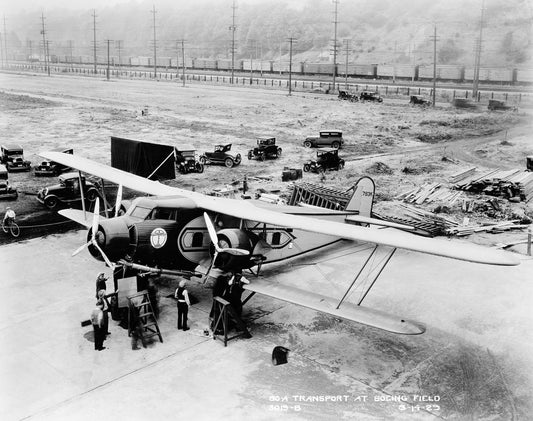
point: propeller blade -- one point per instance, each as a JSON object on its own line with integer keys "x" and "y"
{"x": 118, "y": 200}
{"x": 212, "y": 231}
{"x": 79, "y": 249}
{"x": 235, "y": 252}
{"x": 211, "y": 265}
{"x": 95, "y": 219}
{"x": 106, "y": 259}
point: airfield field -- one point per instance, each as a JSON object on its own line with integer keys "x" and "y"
{"x": 474, "y": 361}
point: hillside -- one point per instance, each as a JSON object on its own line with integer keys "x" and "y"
{"x": 379, "y": 31}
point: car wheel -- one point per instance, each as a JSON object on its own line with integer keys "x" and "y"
{"x": 340, "y": 166}
{"x": 51, "y": 202}
{"x": 380, "y": 100}
{"x": 92, "y": 195}
{"x": 199, "y": 168}
{"x": 307, "y": 167}
{"x": 202, "y": 160}
{"x": 320, "y": 170}
{"x": 307, "y": 144}
{"x": 336, "y": 145}
{"x": 262, "y": 157}
{"x": 228, "y": 162}
{"x": 279, "y": 152}
{"x": 250, "y": 154}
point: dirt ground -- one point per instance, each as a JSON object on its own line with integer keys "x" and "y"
{"x": 43, "y": 113}
{"x": 479, "y": 363}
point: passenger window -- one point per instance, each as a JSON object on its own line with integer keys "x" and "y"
{"x": 197, "y": 239}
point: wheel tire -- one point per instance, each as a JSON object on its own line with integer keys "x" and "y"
{"x": 15, "y": 230}
{"x": 51, "y": 202}
{"x": 320, "y": 170}
{"x": 262, "y": 157}
{"x": 336, "y": 145}
{"x": 92, "y": 195}
{"x": 279, "y": 152}
{"x": 340, "y": 166}
{"x": 4, "y": 227}
{"x": 238, "y": 159}
{"x": 202, "y": 160}
{"x": 250, "y": 154}
{"x": 228, "y": 162}
{"x": 307, "y": 167}
{"x": 307, "y": 144}
{"x": 199, "y": 168}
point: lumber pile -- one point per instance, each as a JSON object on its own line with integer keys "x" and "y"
{"x": 493, "y": 228}
{"x": 435, "y": 192}
{"x": 512, "y": 184}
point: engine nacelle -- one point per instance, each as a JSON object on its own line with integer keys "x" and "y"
{"x": 235, "y": 238}
{"x": 112, "y": 237}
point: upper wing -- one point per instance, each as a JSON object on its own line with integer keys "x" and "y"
{"x": 246, "y": 210}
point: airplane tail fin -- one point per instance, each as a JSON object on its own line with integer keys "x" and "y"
{"x": 362, "y": 198}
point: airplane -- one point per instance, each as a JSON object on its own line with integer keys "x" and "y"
{"x": 178, "y": 229}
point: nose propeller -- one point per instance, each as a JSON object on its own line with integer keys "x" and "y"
{"x": 93, "y": 241}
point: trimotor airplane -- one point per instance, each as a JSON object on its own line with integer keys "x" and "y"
{"x": 175, "y": 229}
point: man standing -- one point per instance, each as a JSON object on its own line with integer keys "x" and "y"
{"x": 182, "y": 296}
{"x": 100, "y": 283}
{"x": 97, "y": 320}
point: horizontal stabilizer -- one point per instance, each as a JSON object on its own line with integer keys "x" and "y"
{"x": 324, "y": 304}
{"x": 76, "y": 215}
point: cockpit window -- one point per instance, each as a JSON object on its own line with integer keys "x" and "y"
{"x": 140, "y": 212}
{"x": 161, "y": 213}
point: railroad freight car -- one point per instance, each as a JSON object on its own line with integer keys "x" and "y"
{"x": 524, "y": 76}
{"x": 318, "y": 68}
{"x": 256, "y": 65}
{"x": 443, "y": 72}
{"x": 400, "y": 71}
{"x": 283, "y": 66}
{"x": 188, "y": 62}
{"x": 491, "y": 75}
{"x": 204, "y": 64}
{"x": 358, "y": 70}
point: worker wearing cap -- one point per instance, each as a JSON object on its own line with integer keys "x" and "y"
{"x": 182, "y": 296}
{"x": 97, "y": 320}
{"x": 100, "y": 283}
{"x": 9, "y": 217}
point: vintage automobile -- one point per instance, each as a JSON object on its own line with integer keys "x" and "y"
{"x": 370, "y": 96}
{"x": 331, "y": 138}
{"x": 50, "y": 168}
{"x": 67, "y": 192}
{"x": 348, "y": 96}
{"x": 496, "y": 104}
{"x": 12, "y": 156}
{"x": 266, "y": 148}
{"x": 186, "y": 161}
{"x": 419, "y": 100}
{"x": 326, "y": 159}
{"x": 6, "y": 191}
{"x": 221, "y": 155}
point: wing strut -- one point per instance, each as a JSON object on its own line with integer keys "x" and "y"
{"x": 388, "y": 256}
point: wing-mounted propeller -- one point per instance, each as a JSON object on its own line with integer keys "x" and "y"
{"x": 118, "y": 200}
{"x": 214, "y": 239}
{"x": 93, "y": 240}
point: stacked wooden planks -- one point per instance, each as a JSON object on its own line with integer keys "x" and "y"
{"x": 514, "y": 184}
{"x": 493, "y": 228}
{"x": 435, "y": 192}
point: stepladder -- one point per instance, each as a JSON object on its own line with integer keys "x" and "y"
{"x": 141, "y": 318}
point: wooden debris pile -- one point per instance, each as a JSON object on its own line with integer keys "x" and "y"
{"x": 435, "y": 192}
{"x": 493, "y": 228}
{"x": 515, "y": 185}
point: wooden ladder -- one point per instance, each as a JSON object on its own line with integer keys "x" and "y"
{"x": 140, "y": 303}
{"x": 223, "y": 310}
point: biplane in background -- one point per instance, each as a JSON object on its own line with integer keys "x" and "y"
{"x": 175, "y": 229}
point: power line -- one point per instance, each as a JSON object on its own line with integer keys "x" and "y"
{"x": 336, "y": 2}
{"x": 291, "y": 40}
{"x": 155, "y": 44}
{"x": 45, "y": 45}
{"x": 232, "y": 28}
{"x": 94, "y": 40}
{"x": 478, "y": 53}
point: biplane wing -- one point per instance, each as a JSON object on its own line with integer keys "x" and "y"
{"x": 247, "y": 211}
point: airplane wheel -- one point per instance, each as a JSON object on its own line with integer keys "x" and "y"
{"x": 92, "y": 195}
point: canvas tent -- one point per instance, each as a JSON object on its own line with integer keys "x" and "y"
{"x": 143, "y": 158}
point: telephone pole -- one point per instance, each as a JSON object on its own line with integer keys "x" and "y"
{"x": 5, "y": 42}
{"x": 29, "y": 43}
{"x": 70, "y": 53}
{"x": 155, "y": 45}
{"x": 108, "y": 69}
{"x": 291, "y": 40}
{"x": 45, "y": 44}
{"x": 232, "y": 28}
{"x": 94, "y": 39}
{"x": 182, "y": 41}
{"x": 1, "y": 50}
{"x": 478, "y": 53}
{"x": 434, "y": 63}
{"x": 118, "y": 46}
{"x": 347, "y": 52}
{"x": 336, "y": 2}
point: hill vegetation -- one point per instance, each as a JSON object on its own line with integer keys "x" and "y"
{"x": 372, "y": 31}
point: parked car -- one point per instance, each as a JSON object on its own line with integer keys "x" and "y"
{"x": 67, "y": 192}
{"x": 370, "y": 96}
{"x": 348, "y": 96}
{"x": 495, "y": 104}
{"x": 419, "y": 100}
{"x": 331, "y": 138}
{"x": 186, "y": 161}
{"x": 50, "y": 168}
{"x": 221, "y": 155}
{"x": 266, "y": 148}
{"x": 326, "y": 159}
{"x": 12, "y": 156}
{"x": 7, "y": 191}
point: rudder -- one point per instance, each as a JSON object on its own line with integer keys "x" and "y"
{"x": 362, "y": 198}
